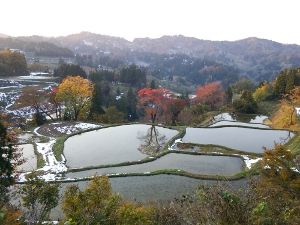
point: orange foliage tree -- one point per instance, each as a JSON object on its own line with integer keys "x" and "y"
{"x": 172, "y": 109}
{"x": 211, "y": 94}
{"x": 153, "y": 100}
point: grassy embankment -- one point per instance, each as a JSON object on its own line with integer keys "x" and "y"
{"x": 282, "y": 119}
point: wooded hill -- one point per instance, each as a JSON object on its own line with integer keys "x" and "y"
{"x": 12, "y": 63}
{"x": 41, "y": 48}
{"x": 256, "y": 59}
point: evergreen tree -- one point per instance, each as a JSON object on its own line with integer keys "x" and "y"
{"x": 153, "y": 84}
{"x": 105, "y": 93}
{"x": 69, "y": 70}
{"x": 118, "y": 91}
{"x": 6, "y": 166}
{"x": 229, "y": 94}
{"x": 280, "y": 84}
{"x": 297, "y": 76}
{"x": 133, "y": 75}
{"x": 131, "y": 105}
{"x": 39, "y": 118}
{"x": 120, "y": 104}
{"x": 246, "y": 104}
{"x": 61, "y": 61}
{"x": 6, "y": 155}
{"x": 96, "y": 107}
{"x": 290, "y": 80}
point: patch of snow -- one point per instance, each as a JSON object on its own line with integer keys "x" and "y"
{"x": 50, "y": 222}
{"x": 53, "y": 168}
{"x": 75, "y": 128}
{"x": 249, "y": 161}
{"x": 63, "y": 159}
{"x": 35, "y": 131}
{"x": 174, "y": 144}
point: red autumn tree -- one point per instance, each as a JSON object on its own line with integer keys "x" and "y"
{"x": 211, "y": 94}
{"x": 172, "y": 109}
{"x": 153, "y": 100}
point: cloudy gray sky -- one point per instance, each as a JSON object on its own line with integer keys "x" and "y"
{"x": 231, "y": 20}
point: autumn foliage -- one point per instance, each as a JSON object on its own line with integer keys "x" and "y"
{"x": 76, "y": 93}
{"x": 12, "y": 63}
{"x": 153, "y": 101}
{"x": 211, "y": 94}
{"x": 94, "y": 204}
{"x": 280, "y": 168}
{"x": 172, "y": 109}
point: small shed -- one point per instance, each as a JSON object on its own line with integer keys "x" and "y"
{"x": 297, "y": 111}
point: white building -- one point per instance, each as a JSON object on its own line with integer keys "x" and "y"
{"x": 297, "y": 111}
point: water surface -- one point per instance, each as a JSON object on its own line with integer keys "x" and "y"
{"x": 234, "y": 123}
{"x": 111, "y": 145}
{"x": 245, "y": 139}
{"x": 28, "y": 153}
{"x": 198, "y": 164}
{"x": 160, "y": 188}
{"x": 244, "y": 118}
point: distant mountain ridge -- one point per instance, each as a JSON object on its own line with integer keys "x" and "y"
{"x": 255, "y": 58}
{"x": 3, "y": 35}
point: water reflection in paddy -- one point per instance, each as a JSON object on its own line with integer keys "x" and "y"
{"x": 28, "y": 154}
{"x": 246, "y": 139}
{"x": 161, "y": 188}
{"x": 245, "y": 118}
{"x": 199, "y": 164}
{"x": 233, "y": 123}
{"x": 110, "y": 145}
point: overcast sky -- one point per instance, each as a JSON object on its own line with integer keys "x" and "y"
{"x": 276, "y": 20}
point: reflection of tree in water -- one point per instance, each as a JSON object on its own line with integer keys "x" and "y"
{"x": 245, "y": 118}
{"x": 151, "y": 141}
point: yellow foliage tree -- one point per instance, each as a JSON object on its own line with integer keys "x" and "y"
{"x": 281, "y": 168}
{"x": 263, "y": 92}
{"x": 280, "y": 185}
{"x": 97, "y": 204}
{"x": 133, "y": 214}
{"x": 286, "y": 115}
{"x": 76, "y": 94}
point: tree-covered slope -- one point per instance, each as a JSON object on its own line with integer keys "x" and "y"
{"x": 41, "y": 48}
{"x": 255, "y": 58}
